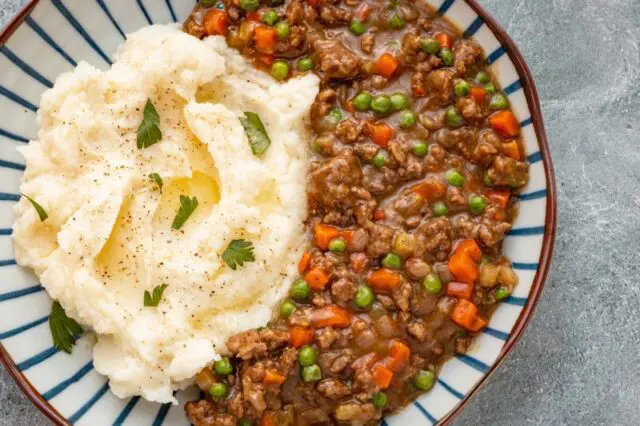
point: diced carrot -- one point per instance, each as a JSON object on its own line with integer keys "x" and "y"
{"x": 431, "y": 189}
{"x": 511, "y": 149}
{"x": 362, "y": 12}
{"x": 466, "y": 315}
{"x": 445, "y": 40}
{"x": 401, "y": 353}
{"x": 381, "y": 134}
{"x": 216, "y": 22}
{"x": 382, "y": 376}
{"x": 365, "y": 361}
{"x": 505, "y": 123}
{"x": 313, "y": 3}
{"x": 384, "y": 280}
{"x": 331, "y": 316}
{"x": 463, "y": 267}
{"x": 390, "y": 364}
{"x": 304, "y": 262}
{"x": 386, "y": 65}
{"x": 267, "y": 419}
{"x": 499, "y": 197}
{"x": 272, "y": 377}
{"x": 323, "y": 234}
{"x": 478, "y": 94}
{"x": 347, "y": 235}
{"x": 471, "y": 248}
{"x": 253, "y": 16}
{"x": 300, "y": 336}
{"x": 379, "y": 214}
{"x": 317, "y": 279}
{"x": 266, "y": 39}
{"x": 456, "y": 289}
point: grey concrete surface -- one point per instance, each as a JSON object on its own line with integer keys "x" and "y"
{"x": 578, "y": 362}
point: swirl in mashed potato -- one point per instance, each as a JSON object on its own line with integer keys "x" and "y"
{"x": 109, "y": 237}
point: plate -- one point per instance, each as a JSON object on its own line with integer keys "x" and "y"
{"x": 49, "y": 37}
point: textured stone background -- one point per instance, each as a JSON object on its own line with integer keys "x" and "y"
{"x": 577, "y": 364}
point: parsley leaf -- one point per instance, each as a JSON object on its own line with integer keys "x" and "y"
{"x": 237, "y": 253}
{"x": 64, "y": 330}
{"x": 153, "y": 299}
{"x": 187, "y": 206}
{"x": 149, "y": 131}
{"x": 157, "y": 179}
{"x": 41, "y": 212}
{"x": 256, "y": 133}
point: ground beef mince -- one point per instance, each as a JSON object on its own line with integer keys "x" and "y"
{"x": 417, "y": 158}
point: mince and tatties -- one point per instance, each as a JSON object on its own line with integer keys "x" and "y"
{"x": 417, "y": 161}
{"x": 164, "y": 205}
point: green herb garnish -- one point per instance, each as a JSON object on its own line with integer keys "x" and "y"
{"x": 237, "y": 253}
{"x": 256, "y": 133}
{"x": 157, "y": 179}
{"x": 64, "y": 330}
{"x": 153, "y": 299}
{"x": 187, "y": 206}
{"x": 149, "y": 131}
{"x": 41, "y": 212}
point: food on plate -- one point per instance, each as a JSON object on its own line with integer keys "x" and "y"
{"x": 417, "y": 158}
{"x": 164, "y": 207}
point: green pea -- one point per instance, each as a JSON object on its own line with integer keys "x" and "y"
{"x": 208, "y": 3}
{"x": 455, "y": 178}
{"x": 300, "y": 291}
{"x": 432, "y": 283}
{"x": 499, "y": 101}
{"x": 357, "y": 27}
{"x": 364, "y": 297}
{"x": 223, "y": 367}
{"x": 420, "y": 149}
{"x": 280, "y": 70}
{"x": 490, "y": 88}
{"x": 305, "y": 64}
{"x": 380, "y": 159}
{"x": 307, "y": 356}
{"x": 482, "y": 77}
{"x": 379, "y": 400}
{"x": 440, "y": 209}
{"x": 381, "y": 105}
{"x": 396, "y": 21}
{"x": 245, "y": 422}
{"x": 447, "y": 56}
{"x": 336, "y": 115}
{"x": 487, "y": 180}
{"x": 250, "y": 5}
{"x": 407, "y": 119}
{"x": 287, "y": 308}
{"x": 502, "y": 293}
{"x": 282, "y": 30}
{"x": 424, "y": 380}
{"x": 270, "y": 17}
{"x": 311, "y": 373}
{"x": 477, "y": 204}
{"x": 337, "y": 245}
{"x": 399, "y": 101}
{"x": 454, "y": 119}
{"x": 218, "y": 390}
{"x": 362, "y": 102}
{"x": 461, "y": 88}
{"x": 392, "y": 261}
{"x": 430, "y": 45}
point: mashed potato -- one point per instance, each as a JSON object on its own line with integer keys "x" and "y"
{"x": 108, "y": 237}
